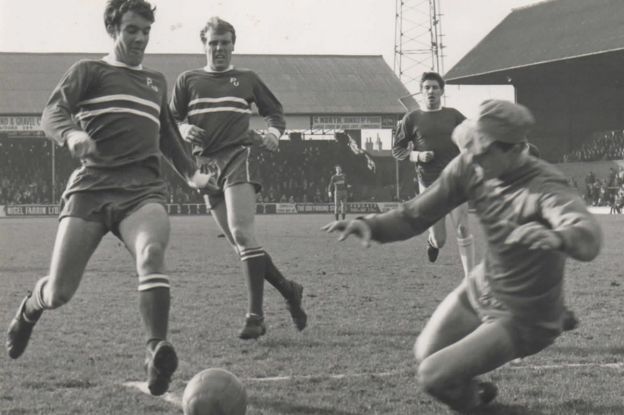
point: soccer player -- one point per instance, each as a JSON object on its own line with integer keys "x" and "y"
{"x": 424, "y": 136}
{"x": 113, "y": 115}
{"x": 213, "y": 106}
{"x": 338, "y": 188}
{"x": 512, "y": 304}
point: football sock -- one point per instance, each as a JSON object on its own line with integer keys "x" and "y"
{"x": 36, "y": 304}
{"x": 337, "y": 216}
{"x": 152, "y": 342}
{"x": 432, "y": 241}
{"x": 154, "y": 308}
{"x": 275, "y": 277}
{"x": 254, "y": 267}
{"x": 466, "y": 253}
{"x": 344, "y": 216}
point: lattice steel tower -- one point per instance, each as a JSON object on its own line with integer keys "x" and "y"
{"x": 418, "y": 45}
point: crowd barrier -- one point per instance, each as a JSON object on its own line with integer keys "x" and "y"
{"x": 200, "y": 208}
{"x": 190, "y": 209}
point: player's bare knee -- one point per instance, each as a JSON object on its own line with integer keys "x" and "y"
{"x": 241, "y": 237}
{"x": 430, "y": 378}
{"x": 421, "y": 351}
{"x": 151, "y": 258}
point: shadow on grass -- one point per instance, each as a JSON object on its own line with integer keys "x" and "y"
{"x": 289, "y": 408}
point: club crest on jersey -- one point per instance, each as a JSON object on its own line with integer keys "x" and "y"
{"x": 234, "y": 81}
{"x": 150, "y": 83}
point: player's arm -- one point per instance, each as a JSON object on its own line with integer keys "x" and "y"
{"x": 174, "y": 152}
{"x": 58, "y": 120}
{"x": 459, "y": 117}
{"x": 271, "y": 109}
{"x": 178, "y": 107}
{"x": 459, "y": 120}
{"x": 420, "y": 213}
{"x": 330, "y": 186}
{"x": 402, "y": 139}
{"x": 569, "y": 227}
{"x": 580, "y": 233}
{"x": 403, "y": 147}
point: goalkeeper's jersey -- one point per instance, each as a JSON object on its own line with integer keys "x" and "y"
{"x": 220, "y": 103}
{"x": 528, "y": 281}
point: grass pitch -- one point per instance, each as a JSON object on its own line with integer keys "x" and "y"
{"x": 366, "y": 307}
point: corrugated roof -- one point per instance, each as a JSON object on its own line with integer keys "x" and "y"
{"x": 546, "y": 32}
{"x": 305, "y": 84}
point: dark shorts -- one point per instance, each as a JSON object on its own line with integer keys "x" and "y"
{"x": 231, "y": 166}
{"x": 529, "y": 336}
{"x": 340, "y": 197}
{"x": 109, "y": 207}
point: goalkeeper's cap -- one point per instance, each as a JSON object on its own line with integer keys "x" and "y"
{"x": 498, "y": 120}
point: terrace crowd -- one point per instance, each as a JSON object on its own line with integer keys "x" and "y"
{"x": 299, "y": 172}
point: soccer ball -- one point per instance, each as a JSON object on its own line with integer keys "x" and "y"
{"x": 214, "y": 392}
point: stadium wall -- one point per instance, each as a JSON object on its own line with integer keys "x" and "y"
{"x": 16, "y": 211}
{"x": 192, "y": 209}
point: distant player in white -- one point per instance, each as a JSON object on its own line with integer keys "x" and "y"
{"x": 512, "y": 304}
{"x": 424, "y": 136}
{"x": 338, "y": 189}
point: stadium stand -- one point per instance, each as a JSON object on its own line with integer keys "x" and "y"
{"x": 605, "y": 145}
{"x": 298, "y": 172}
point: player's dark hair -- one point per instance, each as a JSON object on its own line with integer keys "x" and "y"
{"x": 115, "y": 9}
{"x": 219, "y": 26}
{"x": 432, "y": 76}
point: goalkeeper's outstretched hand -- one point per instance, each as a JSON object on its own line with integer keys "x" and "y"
{"x": 356, "y": 227}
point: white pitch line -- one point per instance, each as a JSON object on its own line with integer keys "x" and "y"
{"x": 400, "y": 372}
{"x": 170, "y": 397}
{"x": 176, "y": 398}
{"x": 321, "y": 376}
{"x": 569, "y": 366}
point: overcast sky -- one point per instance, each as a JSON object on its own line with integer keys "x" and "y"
{"x": 263, "y": 26}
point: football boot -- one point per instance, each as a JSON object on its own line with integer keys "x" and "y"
{"x": 293, "y": 302}
{"x": 20, "y": 330}
{"x": 254, "y": 327}
{"x": 160, "y": 363}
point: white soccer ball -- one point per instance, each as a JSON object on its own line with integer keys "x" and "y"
{"x": 214, "y": 392}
